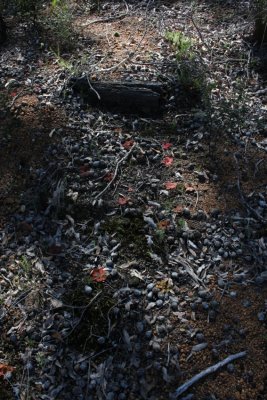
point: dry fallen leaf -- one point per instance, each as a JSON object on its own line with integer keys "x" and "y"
{"x": 108, "y": 177}
{"x": 4, "y": 368}
{"x": 167, "y": 161}
{"x": 123, "y": 200}
{"x": 166, "y": 146}
{"x": 84, "y": 170}
{"x": 189, "y": 188}
{"x": 98, "y": 274}
{"x": 178, "y": 209}
{"x": 128, "y": 144}
{"x": 163, "y": 224}
{"x": 170, "y": 185}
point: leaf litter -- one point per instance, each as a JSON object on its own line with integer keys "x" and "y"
{"x": 76, "y": 338}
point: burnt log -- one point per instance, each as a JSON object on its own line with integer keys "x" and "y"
{"x": 142, "y": 98}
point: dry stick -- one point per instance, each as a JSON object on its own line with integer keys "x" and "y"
{"x": 106, "y": 19}
{"x": 115, "y": 173}
{"x": 210, "y": 370}
{"x": 93, "y": 89}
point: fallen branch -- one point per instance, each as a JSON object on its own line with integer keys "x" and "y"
{"x": 111, "y": 18}
{"x": 210, "y": 370}
{"x": 115, "y": 173}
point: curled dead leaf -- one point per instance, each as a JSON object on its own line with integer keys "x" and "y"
{"x": 170, "y": 185}
{"x": 163, "y": 224}
{"x": 128, "y": 144}
{"x": 98, "y": 274}
{"x": 166, "y": 146}
{"x": 167, "y": 161}
{"x": 123, "y": 200}
{"x": 4, "y": 369}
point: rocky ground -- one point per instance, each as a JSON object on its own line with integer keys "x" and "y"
{"x": 133, "y": 250}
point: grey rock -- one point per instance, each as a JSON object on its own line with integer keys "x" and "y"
{"x": 231, "y": 368}
{"x": 221, "y": 283}
{"x": 109, "y": 264}
{"x": 140, "y": 327}
{"x": 186, "y": 213}
{"x": 174, "y": 275}
{"x": 233, "y": 294}
{"x": 161, "y": 295}
{"x": 156, "y": 346}
{"x": 200, "y": 337}
{"x": 159, "y": 303}
{"x": 246, "y": 303}
{"x": 150, "y": 296}
{"x": 261, "y": 316}
{"x": 149, "y": 334}
{"x": 150, "y": 286}
{"x": 212, "y": 315}
{"x": 88, "y": 290}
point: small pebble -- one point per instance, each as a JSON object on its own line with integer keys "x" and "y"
{"x": 233, "y": 294}
{"x": 149, "y": 334}
{"x": 200, "y": 337}
{"x": 246, "y": 303}
{"x": 261, "y": 316}
{"x": 88, "y": 290}
{"x": 156, "y": 346}
{"x": 231, "y": 368}
{"x": 186, "y": 213}
{"x": 159, "y": 303}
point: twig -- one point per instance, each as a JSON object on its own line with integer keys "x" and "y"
{"x": 196, "y": 200}
{"x": 115, "y": 173}
{"x": 106, "y": 19}
{"x": 214, "y": 368}
{"x": 93, "y": 89}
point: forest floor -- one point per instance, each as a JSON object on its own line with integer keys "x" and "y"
{"x": 133, "y": 249}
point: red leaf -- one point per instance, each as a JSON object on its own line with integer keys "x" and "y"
{"x": 189, "y": 188}
{"x": 5, "y": 368}
{"x": 108, "y": 177}
{"x": 98, "y": 274}
{"x": 167, "y": 161}
{"x": 166, "y": 146}
{"x": 170, "y": 185}
{"x": 123, "y": 200}
{"x": 128, "y": 144}
{"x": 84, "y": 170}
{"x": 163, "y": 224}
{"x": 178, "y": 209}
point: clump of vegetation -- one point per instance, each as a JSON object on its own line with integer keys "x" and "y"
{"x": 57, "y": 27}
{"x": 190, "y": 70}
{"x": 54, "y": 20}
{"x": 94, "y": 318}
{"x": 181, "y": 43}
